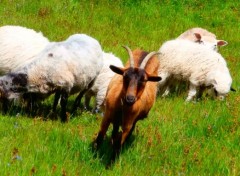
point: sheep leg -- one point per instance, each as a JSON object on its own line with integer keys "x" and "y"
{"x": 80, "y": 95}
{"x": 200, "y": 92}
{"x": 63, "y": 102}
{"x": 29, "y": 98}
{"x": 56, "y": 99}
{"x": 166, "y": 92}
{"x": 78, "y": 100}
{"x": 5, "y": 105}
{"x": 163, "y": 84}
{"x": 192, "y": 92}
{"x": 87, "y": 101}
{"x": 99, "y": 101}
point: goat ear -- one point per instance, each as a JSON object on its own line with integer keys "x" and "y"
{"x": 117, "y": 70}
{"x": 221, "y": 43}
{"x": 154, "y": 78}
{"x": 198, "y": 36}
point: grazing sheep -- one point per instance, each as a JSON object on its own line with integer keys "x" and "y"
{"x": 101, "y": 83}
{"x": 66, "y": 68}
{"x": 202, "y": 36}
{"x": 202, "y": 67}
{"x": 130, "y": 96}
{"x": 18, "y": 47}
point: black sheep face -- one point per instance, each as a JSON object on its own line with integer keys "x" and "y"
{"x": 12, "y": 84}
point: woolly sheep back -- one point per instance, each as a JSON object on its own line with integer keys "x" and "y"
{"x": 18, "y": 46}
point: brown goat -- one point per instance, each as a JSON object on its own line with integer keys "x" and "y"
{"x": 130, "y": 96}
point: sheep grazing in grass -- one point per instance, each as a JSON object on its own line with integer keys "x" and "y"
{"x": 18, "y": 47}
{"x": 66, "y": 68}
{"x": 130, "y": 96}
{"x": 183, "y": 60}
{"x": 202, "y": 36}
{"x": 101, "y": 83}
{"x": 196, "y": 35}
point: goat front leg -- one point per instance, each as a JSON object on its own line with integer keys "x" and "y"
{"x": 119, "y": 140}
{"x": 102, "y": 132}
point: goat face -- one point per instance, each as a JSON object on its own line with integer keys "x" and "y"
{"x": 134, "y": 81}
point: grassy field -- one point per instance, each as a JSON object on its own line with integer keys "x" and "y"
{"x": 177, "y": 138}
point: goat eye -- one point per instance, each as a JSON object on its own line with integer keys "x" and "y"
{"x": 141, "y": 81}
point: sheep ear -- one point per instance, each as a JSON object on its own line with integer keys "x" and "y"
{"x": 214, "y": 82}
{"x": 232, "y": 89}
{"x": 117, "y": 70}
{"x": 198, "y": 37}
{"x": 221, "y": 43}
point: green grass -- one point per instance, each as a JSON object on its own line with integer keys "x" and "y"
{"x": 177, "y": 138}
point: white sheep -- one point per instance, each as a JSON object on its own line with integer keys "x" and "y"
{"x": 196, "y": 35}
{"x": 101, "y": 83}
{"x": 18, "y": 46}
{"x": 66, "y": 68}
{"x": 184, "y": 60}
{"x": 202, "y": 36}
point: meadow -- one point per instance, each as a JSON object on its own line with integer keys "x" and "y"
{"x": 177, "y": 138}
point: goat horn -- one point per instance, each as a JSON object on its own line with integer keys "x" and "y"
{"x": 130, "y": 56}
{"x": 145, "y": 60}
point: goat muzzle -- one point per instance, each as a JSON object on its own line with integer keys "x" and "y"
{"x": 130, "y": 99}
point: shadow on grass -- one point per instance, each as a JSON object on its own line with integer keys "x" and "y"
{"x": 105, "y": 152}
{"x": 41, "y": 110}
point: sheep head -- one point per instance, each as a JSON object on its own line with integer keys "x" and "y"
{"x": 209, "y": 41}
{"x": 12, "y": 84}
{"x": 134, "y": 78}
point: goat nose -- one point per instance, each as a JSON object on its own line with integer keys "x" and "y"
{"x": 130, "y": 99}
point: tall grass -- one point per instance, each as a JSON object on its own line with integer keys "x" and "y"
{"x": 177, "y": 138}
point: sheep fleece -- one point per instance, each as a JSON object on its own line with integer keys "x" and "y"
{"x": 18, "y": 46}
